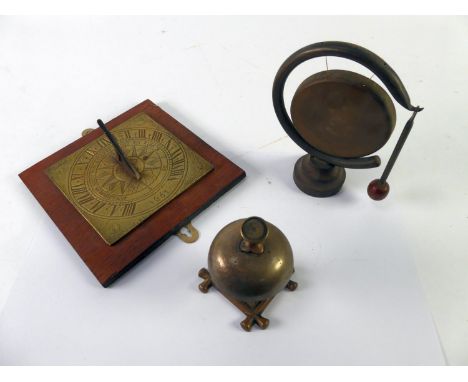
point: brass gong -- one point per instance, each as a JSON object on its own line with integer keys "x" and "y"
{"x": 343, "y": 113}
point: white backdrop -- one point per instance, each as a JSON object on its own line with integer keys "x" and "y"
{"x": 359, "y": 263}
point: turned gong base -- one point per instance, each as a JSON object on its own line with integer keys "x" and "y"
{"x": 318, "y": 178}
{"x": 253, "y": 311}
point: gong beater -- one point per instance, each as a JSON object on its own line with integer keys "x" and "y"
{"x": 338, "y": 117}
{"x": 249, "y": 262}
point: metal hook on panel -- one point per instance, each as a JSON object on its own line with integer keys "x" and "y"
{"x": 192, "y": 235}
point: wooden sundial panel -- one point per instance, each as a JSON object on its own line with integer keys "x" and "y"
{"x": 148, "y": 213}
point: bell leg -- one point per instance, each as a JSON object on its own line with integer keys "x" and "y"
{"x": 254, "y": 315}
{"x": 318, "y": 178}
{"x": 262, "y": 322}
{"x": 247, "y": 323}
{"x": 206, "y": 284}
{"x": 291, "y": 285}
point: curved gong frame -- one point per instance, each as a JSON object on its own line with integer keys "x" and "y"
{"x": 345, "y": 50}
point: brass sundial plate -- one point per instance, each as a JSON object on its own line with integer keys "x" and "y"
{"x": 107, "y": 196}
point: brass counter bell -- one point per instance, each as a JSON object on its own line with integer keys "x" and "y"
{"x": 338, "y": 117}
{"x": 249, "y": 262}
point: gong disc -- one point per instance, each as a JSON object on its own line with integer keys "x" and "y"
{"x": 343, "y": 113}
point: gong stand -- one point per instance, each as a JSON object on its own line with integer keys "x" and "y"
{"x": 338, "y": 117}
{"x": 317, "y": 177}
{"x": 253, "y": 312}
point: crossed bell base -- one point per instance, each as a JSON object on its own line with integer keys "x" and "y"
{"x": 253, "y": 312}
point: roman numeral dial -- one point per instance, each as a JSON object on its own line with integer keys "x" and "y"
{"x": 107, "y": 195}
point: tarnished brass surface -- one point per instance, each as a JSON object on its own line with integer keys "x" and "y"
{"x": 240, "y": 270}
{"x": 249, "y": 262}
{"x": 343, "y": 113}
{"x": 107, "y": 196}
